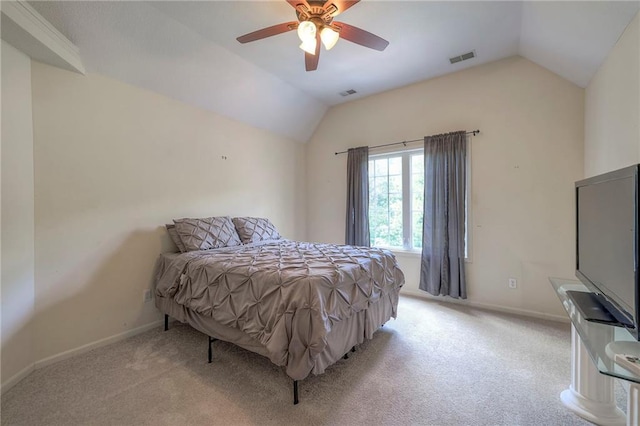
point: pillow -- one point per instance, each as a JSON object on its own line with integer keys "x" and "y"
{"x": 254, "y": 229}
{"x": 171, "y": 229}
{"x": 207, "y": 233}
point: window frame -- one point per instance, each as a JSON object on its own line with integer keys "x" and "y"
{"x": 406, "y": 213}
{"x": 405, "y": 155}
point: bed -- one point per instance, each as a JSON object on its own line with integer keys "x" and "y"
{"x": 302, "y": 305}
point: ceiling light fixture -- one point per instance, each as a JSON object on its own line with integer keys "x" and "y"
{"x": 307, "y": 33}
{"x": 329, "y": 37}
{"x": 309, "y": 46}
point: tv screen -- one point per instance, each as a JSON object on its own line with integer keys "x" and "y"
{"x": 607, "y": 238}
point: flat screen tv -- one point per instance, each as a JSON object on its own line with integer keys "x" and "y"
{"x": 607, "y": 230}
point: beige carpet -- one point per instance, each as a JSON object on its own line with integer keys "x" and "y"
{"x": 437, "y": 364}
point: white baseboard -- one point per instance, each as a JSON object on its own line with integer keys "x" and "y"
{"x": 94, "y": 345}
{"x": 73, "y": 352}
{"x": 121, "y": 336}
{"x": 467, "y": 302}
{"x": 15, "y": 379}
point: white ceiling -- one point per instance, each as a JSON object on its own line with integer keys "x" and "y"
{"x": 187, "y": 50}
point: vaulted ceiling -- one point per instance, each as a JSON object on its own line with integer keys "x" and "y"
{"x": 187, "y": 50}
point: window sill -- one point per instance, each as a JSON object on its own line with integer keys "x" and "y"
{"x": 405, "y": 253}
{"x": 413, "y": 253}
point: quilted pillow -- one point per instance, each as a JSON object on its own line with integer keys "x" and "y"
{"x": 207, "y": 233}
{"x": 254, "y": 229}
{"x": 171, "y": 229}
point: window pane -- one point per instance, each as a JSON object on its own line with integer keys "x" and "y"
{"x": 379, "y": 203}
{"x": 395, "y": 208}
{"x": 395, "y": 184}
{"x": 395, "y": 166}
{"x": 381, "y": 167}
{"x": 395, "y": 219}
{"x": 417, "y": 201}
{"x": 416, "y": 229}
{"x": 417, "y": 163}
{"x": 381, "y": 185}
{"x": 380, "y": 235}
{"x": 385, "y": 201}
{"x": 417, "y": 183}
{"x": 378, "y": 221}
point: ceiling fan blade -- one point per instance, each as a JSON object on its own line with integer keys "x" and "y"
{"x": 340, "y": 6}
{"x": 361, "y": 37}
{"x": 311, "y": 61}
{"x": 268, "y": 32}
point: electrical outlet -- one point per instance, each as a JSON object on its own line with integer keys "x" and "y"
{"x": 513, "y": 283}
{"x": 146, "y": 296}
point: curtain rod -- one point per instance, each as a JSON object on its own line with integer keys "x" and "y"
{"x": 474, "y": 132}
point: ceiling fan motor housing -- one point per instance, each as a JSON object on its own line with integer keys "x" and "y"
{"x": 316, "y": 12}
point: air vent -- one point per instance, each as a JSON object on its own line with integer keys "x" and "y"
{"x": 463, "y": 57}
{"x": 348, "y": 92}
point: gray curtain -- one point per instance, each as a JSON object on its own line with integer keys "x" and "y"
{"x": 442, "y": 268}
{"x": 357, "y": 231}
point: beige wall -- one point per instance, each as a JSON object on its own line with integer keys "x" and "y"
{"x": 17, "y": 227}
{"x": 113, "y": 164}
{"x": 524, "y": 165}
{"x": 612, "y": 107}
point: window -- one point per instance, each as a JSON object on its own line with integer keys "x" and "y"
{"x": 396, "y": 193}
{"x": 396, "y": 200}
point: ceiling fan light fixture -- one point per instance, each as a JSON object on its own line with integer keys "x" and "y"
{"x": 309, "y": 46}
{"x": 307, "y": 32}
{"x": 329, "y": 37}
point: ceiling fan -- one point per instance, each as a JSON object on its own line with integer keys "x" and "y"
{"x": 315, "y": 25}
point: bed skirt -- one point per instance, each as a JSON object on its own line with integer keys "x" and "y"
{"x": 343, "y": 336}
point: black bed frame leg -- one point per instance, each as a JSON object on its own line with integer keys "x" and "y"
{"x": 295, "y": 392}
{"x": 346, "y": 356}
{"x": 211, "y": 340}
{"x": 166, "y": 322}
